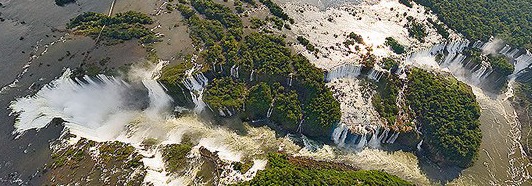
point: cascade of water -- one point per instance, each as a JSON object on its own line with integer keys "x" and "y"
{"x": 389, "y": 139}
{"x": 361, "y": 142}
{"x": 374, "y": 141}
{"x": 419, "y": 145}
{"x": 233, "y": 71}
{"x": 299, "y": 129}
{"x": 270, "y": 110}
{"x": 384, "y": 135}
{"x": 524, "y": 61}
{"x": 343, "y": 137}
{"x": 375, "y": 74}
{"x": 344, "y": 71}
{"x": 290, "y": 79}
{"x": 251, "y": 75}
{"x": 337, "y": 133}
{"x": 196, "y": 84}
{"x": 394, "y": 137}
{"x": 505, "y": 50}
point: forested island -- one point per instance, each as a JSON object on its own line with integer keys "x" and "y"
{"x": 255, "y": 76}
{"x": 448, "y": 115}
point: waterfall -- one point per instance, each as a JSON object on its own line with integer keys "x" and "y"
{"x": 393, "y": 138}
{"x": 337, "y": 133}
{"x": 454, "y": 61}
{"x": 270, "y": 110}
{"x": 196, "y": 84}
{"x": 361, "y": 142}
{"x": 375, "y": 75}
{"x": 419, "y": 145}
{"x": 290, "y": 80}
{"x": 251, "y": 75}
{"x": 344, "y": 71}
{"x": 234, "y": 71}
{"x": 384, "y": 135}
{"x": 299, "y": 129}
{"x": 374, "y": 141}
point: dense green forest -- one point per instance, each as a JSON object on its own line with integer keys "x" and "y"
{"x": 447, "y": 113}
{"x": 385, "y": 100}
{"x": 506, "y": 19}
{"x": 123, "y": 26}
{"x": 256, "y": 72}
{"x": 280, "y": 171}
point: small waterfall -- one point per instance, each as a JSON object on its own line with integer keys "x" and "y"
{"x": 419, "y": 145}
{"x": 375, "y": 74}
{"x": 337, "y": 133}
{"x": 362, "y": 142}
{"x": 234, "y": 71}
{"x": 393, "y": 138}
{"x": 270, "y": 110}
{"x": 374, "y": 141}
{"x": 299, "y": 129}
{"x": 196, "y": 84}
{"x": 344, "y": 71}
{"x": 384, "y": 135}
{"x": 290, "y": 79}
{"x": 251, "y": 75}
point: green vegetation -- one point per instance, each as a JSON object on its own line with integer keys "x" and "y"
{"x": 275, "y": 9}
{"x": 224, "y": 93}
{"x": 267, "y": 71}
{"x": 506, "y": 19}
{"x": 280, "y": 171}
{"x": 440, "y": 28}
{"x": 305, "y": 42}
{"x": 389, "y": 64}
{"x": 174, "y": 156}
{"x": 123, "y": 26}
{"x": 356, "y": 37}
{"x": 474, "y": 55}
{"x": 260, "y": 99}
{"x": 219, "y": 12}
{"x": 396, "y": 47}
{"x": 416, "y": 30}
{"x": 116, "y": 161}
{"x": 498, "y": 63}
{"x": 287, "y": 109}
{"x": 447, "y": 113}
{"x": 64, "y": 2}
{"x": 407, "y": 3}
{"x": 501, "y": 65}
{"x": 385, "y": 100}
{"x": 173, "y": 74}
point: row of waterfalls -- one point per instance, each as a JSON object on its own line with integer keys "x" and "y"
{"x": 446, "y": 57}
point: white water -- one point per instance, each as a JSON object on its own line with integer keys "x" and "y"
{"x": 196, "y": 83}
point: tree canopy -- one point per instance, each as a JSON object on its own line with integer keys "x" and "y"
{"x": 447, "y": 113}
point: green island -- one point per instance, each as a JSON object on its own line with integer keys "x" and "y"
{"x": 121, "y": 27}
{"x": 395, "y": 45}
{"x": 262, "y": 66}
{"x": 505, "y": 19}
{"x": 281, "y": 170}
{"x": 447, "y": 112}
